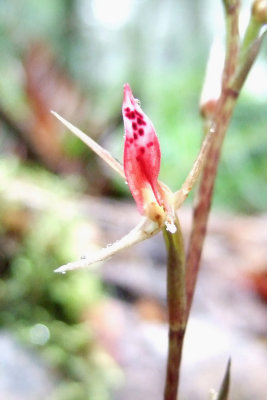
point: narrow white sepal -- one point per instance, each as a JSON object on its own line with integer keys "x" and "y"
{"x": 145, "y": 229}
{"x": 104, "y": 154}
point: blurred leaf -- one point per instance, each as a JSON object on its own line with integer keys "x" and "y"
{"x": 224, "y": 389}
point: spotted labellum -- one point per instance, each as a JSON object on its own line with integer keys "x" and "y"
{"x": 142, "y": 158}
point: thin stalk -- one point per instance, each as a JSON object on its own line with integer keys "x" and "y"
{"x": 251, "y": 34}
{"x": 232, "y": 40}
{"x": 176, "y": 298}
{"x": 238, "y": 62}
{"x": 204, "y": 198}
{"x": 220, "y": 124}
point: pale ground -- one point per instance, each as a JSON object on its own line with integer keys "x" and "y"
{"x": 228, "y": 318}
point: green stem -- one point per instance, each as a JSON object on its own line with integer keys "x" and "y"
{"x": 248, "y": 53}
{"x": 251, "y": 34}
{"x": 176, "y": 298}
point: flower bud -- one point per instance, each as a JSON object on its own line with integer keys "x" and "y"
{"x": 259, "y": 11}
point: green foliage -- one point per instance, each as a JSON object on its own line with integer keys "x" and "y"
{"x": 242, "y": 173}
{"x": 46, "y": 310}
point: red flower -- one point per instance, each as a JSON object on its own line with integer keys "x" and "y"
{"x": 141, "y": 156}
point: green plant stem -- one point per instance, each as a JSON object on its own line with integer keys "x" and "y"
{"x": 251, "y": 34}
{"x": 176, "y": 298}
{"x": 248, "y": 53}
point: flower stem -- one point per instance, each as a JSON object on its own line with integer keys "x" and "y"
{"x": 219, "y": 124}
{"x": 251, "y": 34}
{"x": 176, "y": 298}
{"x": 238, "y": 62}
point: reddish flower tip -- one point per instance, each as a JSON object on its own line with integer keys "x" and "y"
{"x": 127, "y": 95}
{"x": 141, "y": 154}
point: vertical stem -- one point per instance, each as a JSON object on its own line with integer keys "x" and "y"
{"x": 219, "y": 124}
{"x": 252, "y": 32}
{"x": 232, "y": 40}
{"x": 204, "y": 198}
{"x": 238, "y": 62}
{"x": 176, "y": 298}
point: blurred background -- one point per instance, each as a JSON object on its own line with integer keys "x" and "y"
{"x": 101, "y": 334}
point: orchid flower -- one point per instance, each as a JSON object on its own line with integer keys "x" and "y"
{"x": 141, "y": 166}
{"x": 142, "y": 163}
